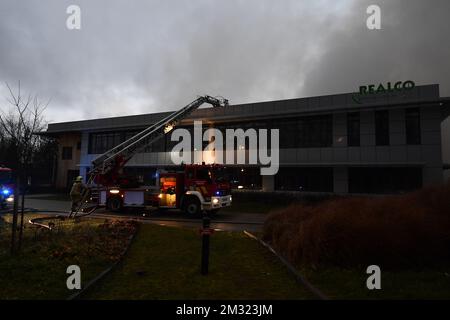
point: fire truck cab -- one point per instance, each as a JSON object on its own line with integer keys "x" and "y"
{"x": 197, "y": 187}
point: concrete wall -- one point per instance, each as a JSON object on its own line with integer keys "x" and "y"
{"x": 431, "y": 149}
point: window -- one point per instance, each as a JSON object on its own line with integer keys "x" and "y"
{"x": 101, "y": 142}
{"x": 412, "y": 122}
{"x": 236, "y": 142}
{"x": 246, "y": 178}
{"x": 67, "y": 153}
{"x": 158, "y": 145}
{"x": 79, "y": 145}
{"x": 382, "y": 128}
{"x": 384, "y": 180}
{"x": 305, "y": 179}
{"x": 289, "y": 135}
{"x": 315, "y": 131}
{"x": 305, "y": 132}
{"x": 353, "y": 129}
{"x": 299, "y": 132}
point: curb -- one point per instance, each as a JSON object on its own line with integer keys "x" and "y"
{"x": 105, "y": 272}
{"x": 301, "y": 279}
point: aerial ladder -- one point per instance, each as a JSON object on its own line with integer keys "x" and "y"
{"x": 106, "y": 167}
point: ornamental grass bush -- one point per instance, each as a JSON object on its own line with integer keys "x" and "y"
{"x": 393, "y": 231}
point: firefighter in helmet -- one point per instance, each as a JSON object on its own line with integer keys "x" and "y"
{"x": 76, "y": 193}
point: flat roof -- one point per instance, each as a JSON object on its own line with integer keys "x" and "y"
{"x": 419, "y": 95}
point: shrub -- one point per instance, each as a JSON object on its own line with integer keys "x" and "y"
{"x": 394, "y": 231}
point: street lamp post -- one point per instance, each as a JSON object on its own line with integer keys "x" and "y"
{"x": 206, "y": 232}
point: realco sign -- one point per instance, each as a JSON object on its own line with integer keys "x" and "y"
{"x": 381, "y": 88}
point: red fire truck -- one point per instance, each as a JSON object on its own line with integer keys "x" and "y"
{"x": 6, "y": 187}
{"x": 191, "y": 188}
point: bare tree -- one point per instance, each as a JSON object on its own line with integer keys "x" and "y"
{"x": 19, "y": 122}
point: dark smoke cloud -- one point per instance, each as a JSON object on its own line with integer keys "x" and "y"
{"x": 410, "y": 45}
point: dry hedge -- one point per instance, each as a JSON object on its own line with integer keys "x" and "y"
{"x": 395, "y": 231}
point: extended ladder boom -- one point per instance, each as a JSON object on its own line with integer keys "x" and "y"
{"x": 126, "y": 150}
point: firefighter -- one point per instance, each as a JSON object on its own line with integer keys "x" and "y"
{"x": 76, "y": 193}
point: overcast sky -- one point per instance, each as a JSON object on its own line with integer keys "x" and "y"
{"x": 134, "y": 57}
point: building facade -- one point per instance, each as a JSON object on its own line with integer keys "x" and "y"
{"x": 384, "y": 142}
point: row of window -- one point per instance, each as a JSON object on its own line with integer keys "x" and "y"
{"x": 304, "y": 132}
{"x": 304, "y": 179}
{"x": 380, "y": 180}
{"x": 384, "y": 180}
{"x": 299, "y": 132}
{"x": 412, "y": 127}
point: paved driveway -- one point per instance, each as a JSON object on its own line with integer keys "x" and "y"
{"x": 229, "y": 221}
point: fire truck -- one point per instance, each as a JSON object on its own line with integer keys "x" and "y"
{"x": 6, "y": 186}
{"x": 192, "y": 188}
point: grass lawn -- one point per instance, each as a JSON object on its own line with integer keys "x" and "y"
{"x": 164, "y": 263}
{"x": 409, "y": 284}
{"x": 39, "y": 270}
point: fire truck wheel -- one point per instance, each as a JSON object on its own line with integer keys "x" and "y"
{"x": 192, "y": 206}
{"x": 114, "y": 204}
